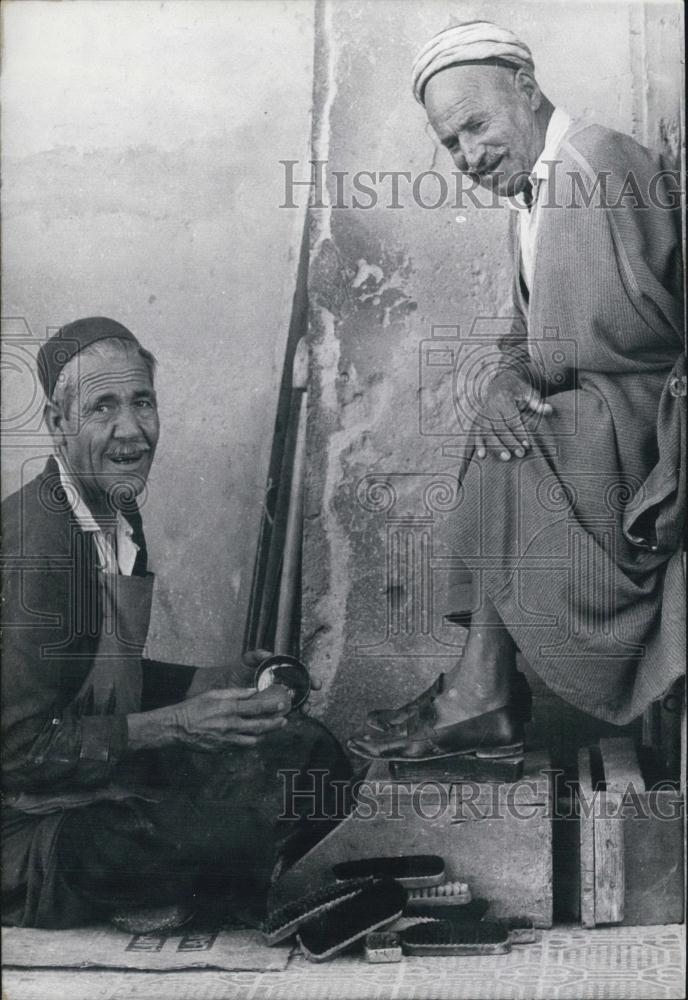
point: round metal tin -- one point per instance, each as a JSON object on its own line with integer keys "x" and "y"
{"x": 287, "y": 671}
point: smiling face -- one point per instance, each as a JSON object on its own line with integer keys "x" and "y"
{"x": 485, "y": 116}
{"x": 106, "y": 424}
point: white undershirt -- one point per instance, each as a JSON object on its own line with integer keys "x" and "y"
{"x": 116, "y": 548}
{"x": 528, "y": 217}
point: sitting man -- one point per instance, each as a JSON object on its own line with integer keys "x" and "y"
{"x": 121, "y": 790}
{"x": 571, "y": 512}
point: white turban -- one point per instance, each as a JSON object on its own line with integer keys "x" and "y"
{"x": 468, "y": 42}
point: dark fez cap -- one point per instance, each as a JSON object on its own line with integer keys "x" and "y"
{"x": 70, "y": 340}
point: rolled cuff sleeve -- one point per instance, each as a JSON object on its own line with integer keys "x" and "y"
{"x": 81, "y": 751}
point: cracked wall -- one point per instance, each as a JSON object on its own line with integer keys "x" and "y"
{"x": 378, "y": 578}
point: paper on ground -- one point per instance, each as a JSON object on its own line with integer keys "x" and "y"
{"x": 102, "y": 946}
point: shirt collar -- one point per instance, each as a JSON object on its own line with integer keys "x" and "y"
{"x": 557, "y": 128}
{"x": 80, "y": 509}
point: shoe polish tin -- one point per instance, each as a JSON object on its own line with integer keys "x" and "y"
{"x": 287, "y": 671}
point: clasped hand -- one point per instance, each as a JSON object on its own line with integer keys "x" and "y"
{"x": 501, "y": 428}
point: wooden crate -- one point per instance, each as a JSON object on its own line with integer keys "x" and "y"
{"x": 631, "y": 840}
{"x": 497, "y": 837}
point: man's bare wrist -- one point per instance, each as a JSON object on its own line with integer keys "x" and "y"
{"x": 152, "y": 730}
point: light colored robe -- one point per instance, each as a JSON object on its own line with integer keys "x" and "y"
{"x": 578, "y": 544}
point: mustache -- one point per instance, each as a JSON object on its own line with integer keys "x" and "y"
{"x": 485, "y": 168}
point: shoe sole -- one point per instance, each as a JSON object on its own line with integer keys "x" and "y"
{"x": 483, "y": 753}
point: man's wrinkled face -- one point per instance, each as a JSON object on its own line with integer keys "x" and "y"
{"x": 484, "y": 116}
{"x": 110, "y": 429}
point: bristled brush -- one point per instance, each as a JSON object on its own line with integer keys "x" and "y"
{"x": 413, "y": 871}
{"x": 450, "y": 937}
{"x": 286, "y": 920}
{"x": 445, "y": 909}
{"x": 455, "y": 893}
{"x": 383, "y": 946}
{"x": 349, "y": 920}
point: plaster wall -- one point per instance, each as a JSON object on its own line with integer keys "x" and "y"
{"x": 141, "y": 181}
{"x": 384, "y": 278}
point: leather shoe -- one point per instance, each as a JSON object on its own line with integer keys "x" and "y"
{"x": 493, "y": 734}
{"x": 382, "y": 720}
{"x": 389, "y": 720}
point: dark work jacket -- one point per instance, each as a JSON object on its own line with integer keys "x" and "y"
{"x": 51, "y": 624}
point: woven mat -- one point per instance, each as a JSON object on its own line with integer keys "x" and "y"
{"x": 620, "y": 963}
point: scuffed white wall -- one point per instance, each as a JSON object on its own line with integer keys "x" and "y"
{"x": 141, "y": 181}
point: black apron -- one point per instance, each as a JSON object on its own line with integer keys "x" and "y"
{"x": 33, "y": 819}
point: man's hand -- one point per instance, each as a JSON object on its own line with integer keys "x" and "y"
{"x": 238, "y": 674}
{"x": 230, "y": 716}
{"x": 213, "y": 720}
{"x": 508, "y": 399}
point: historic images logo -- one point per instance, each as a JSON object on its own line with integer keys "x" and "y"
{"x": 415, "y": 574}
{"x": 316, "y": 797}
{"x": 22, "y": 394}
{"x": 320, "y": 187}
{"x": 457, "y": 367}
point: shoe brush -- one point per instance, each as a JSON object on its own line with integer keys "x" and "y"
{"x": 449, "y": 937}
{"x": 340, "y": 926}
{"x": 284, "y": 921}
{"x": 413, "y": 871}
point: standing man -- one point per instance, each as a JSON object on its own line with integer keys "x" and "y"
{"x": 573, "y": 495}
{"x": 120, "y": 790}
